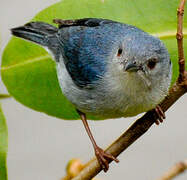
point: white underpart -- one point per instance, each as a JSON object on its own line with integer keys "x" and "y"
{"x": 117, "y": 94}
{"x": 145, "y": 80}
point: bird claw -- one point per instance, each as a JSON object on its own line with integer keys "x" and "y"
{"x": 103, "y": 158}
{"x": 160, "y": 114}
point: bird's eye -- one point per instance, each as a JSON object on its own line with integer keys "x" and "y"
{"x": 119, "y": 52}
{"x": 151, "y": 63}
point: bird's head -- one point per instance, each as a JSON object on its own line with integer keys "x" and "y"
{"x": 143, "y": 60}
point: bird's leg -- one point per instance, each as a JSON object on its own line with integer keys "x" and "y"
{"x": 161, "y": 115}
{"x": 101, "y": 156}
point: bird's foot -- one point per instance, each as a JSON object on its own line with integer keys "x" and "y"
{"x": 161, "y": 115}
{"x": 103, "y": 158}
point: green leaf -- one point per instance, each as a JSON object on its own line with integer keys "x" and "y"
{"x": 29, "y": 73}
{"x": 3, "y": 146}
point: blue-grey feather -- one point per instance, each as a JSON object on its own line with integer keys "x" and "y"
{"x": 86, "y": 50}
{"x": 85, "y": 56}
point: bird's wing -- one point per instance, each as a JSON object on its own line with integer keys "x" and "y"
{"x": 85, "y": 47}
{"x": 89, "y": 22}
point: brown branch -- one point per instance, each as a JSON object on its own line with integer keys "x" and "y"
{"x": 175, "y": 171}
{"x": 73, "y": 168}
{"x": 145, "y": 122}
{"x": 3, "y": 96}
{"x": 179, "y": 36}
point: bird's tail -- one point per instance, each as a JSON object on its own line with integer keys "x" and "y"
{"x": 38, "y": 32}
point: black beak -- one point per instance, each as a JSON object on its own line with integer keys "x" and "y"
{"x": 131, "y": 67}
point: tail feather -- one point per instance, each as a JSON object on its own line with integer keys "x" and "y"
{"x": 37, "y": 32}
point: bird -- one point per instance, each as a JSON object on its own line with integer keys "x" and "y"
{"x": 105, "y": 68}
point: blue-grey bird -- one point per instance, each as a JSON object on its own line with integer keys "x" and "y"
{"x": 105, "y": 68}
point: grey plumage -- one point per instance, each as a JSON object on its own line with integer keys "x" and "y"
{"x": 92, "y": 72}
{"x": 105, "y": 68}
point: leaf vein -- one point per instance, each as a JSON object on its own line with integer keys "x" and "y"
{"x": 33, "y": 60}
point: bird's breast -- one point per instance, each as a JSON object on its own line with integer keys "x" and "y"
{"x": 109, "y": 97}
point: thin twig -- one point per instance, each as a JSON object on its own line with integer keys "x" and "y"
{"x": 176, "y": 170}
{"x": 145, "y": 122}
{"x": 3, "y": 96}
{"x": 179, "y": 36}
{"x": 73, "y": 168}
